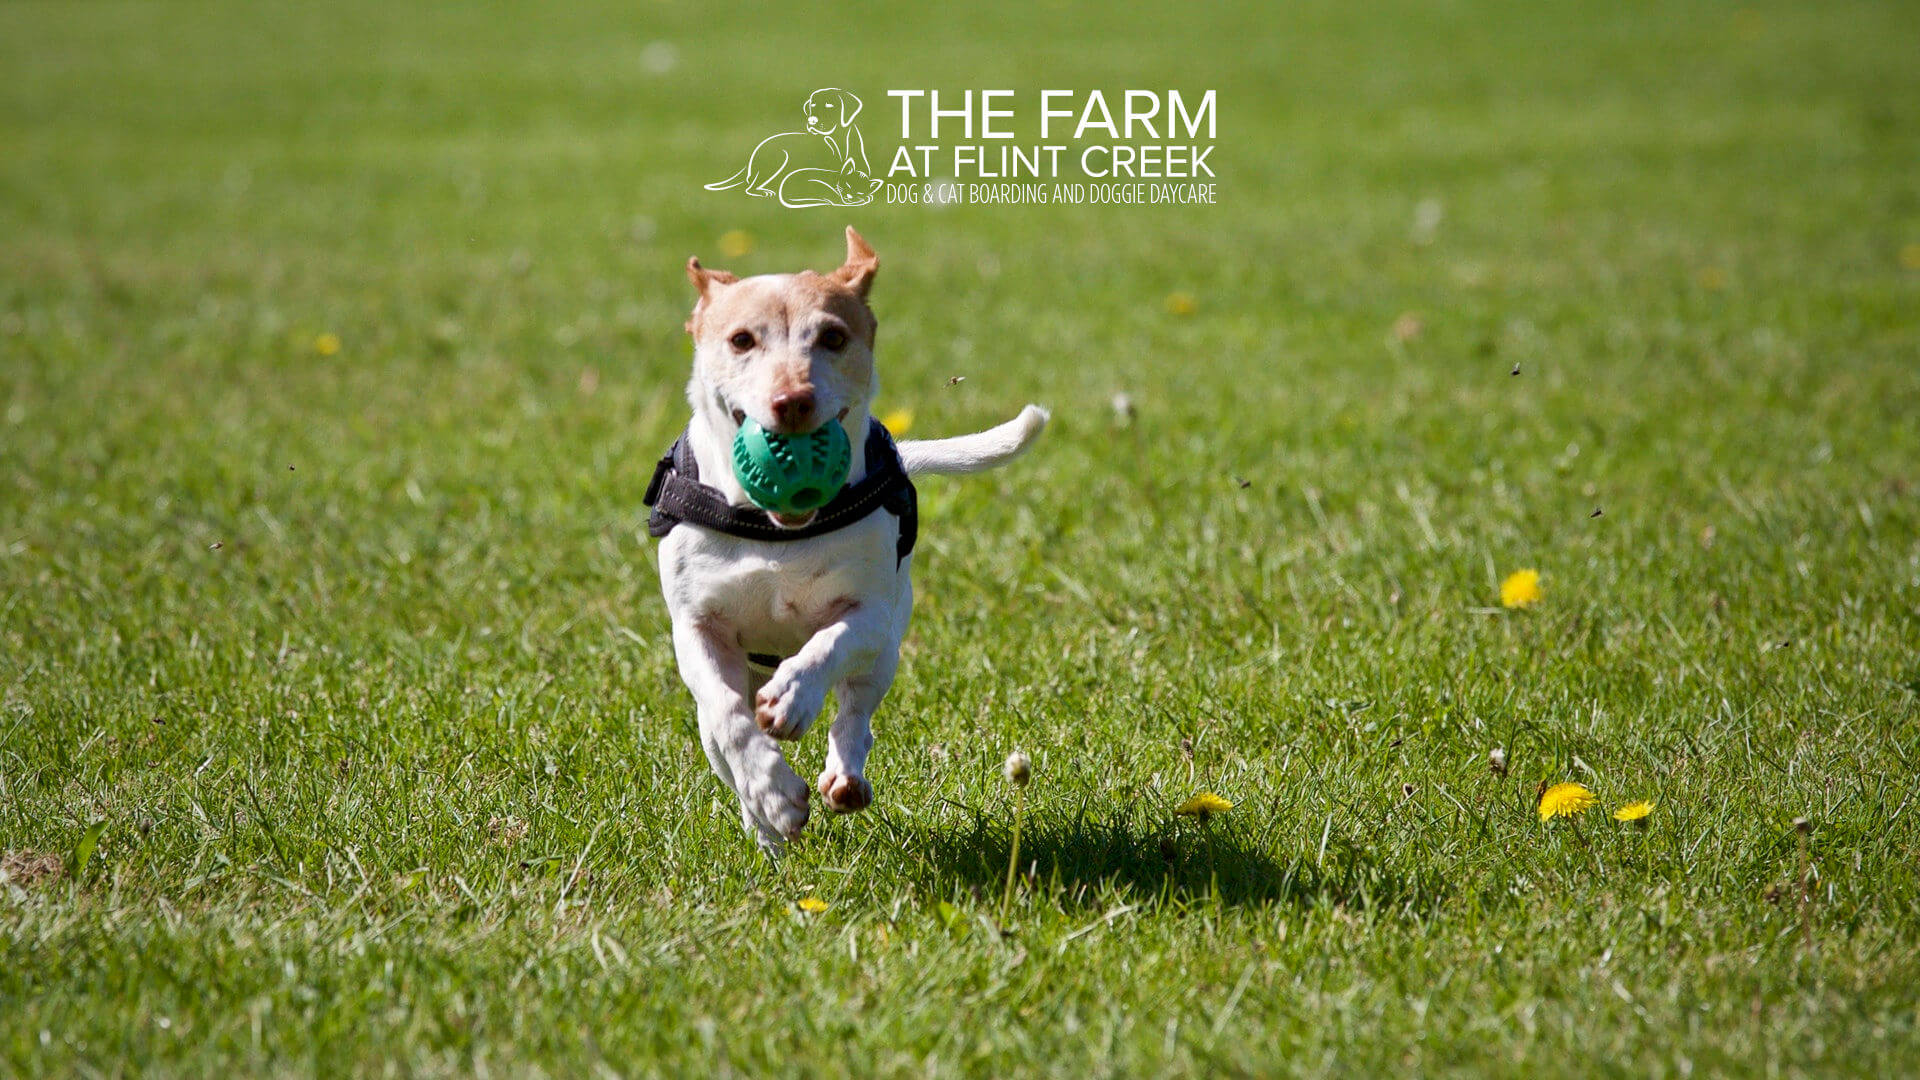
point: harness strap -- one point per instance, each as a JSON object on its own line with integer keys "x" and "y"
{"x": 676, "y": 495}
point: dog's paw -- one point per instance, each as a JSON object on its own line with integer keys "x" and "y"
{"x": 786, "y": 707}
{"x": 845, "y": 793}
{"x": 778, "y": 809}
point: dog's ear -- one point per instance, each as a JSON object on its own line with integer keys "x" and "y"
{"x": 850, "y": 107}
{"x": 705, "y": 281}
{"x": 857, "y": 272}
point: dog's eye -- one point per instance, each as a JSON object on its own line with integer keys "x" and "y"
{"x": 832, "y": 339}
{"x": 741, "y": 341}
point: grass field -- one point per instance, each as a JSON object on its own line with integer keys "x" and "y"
{"x": 356, "y": 659}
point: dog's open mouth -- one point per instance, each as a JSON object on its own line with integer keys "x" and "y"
{"x": 740, "y": 415}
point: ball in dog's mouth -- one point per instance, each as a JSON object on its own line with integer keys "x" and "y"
{"x": 791, "y": 477}
{"x": 795, "y": 521}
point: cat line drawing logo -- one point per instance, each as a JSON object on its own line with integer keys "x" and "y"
{"x": 825, "y": 165}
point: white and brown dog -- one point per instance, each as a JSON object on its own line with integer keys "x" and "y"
{"x": 770, "y": 613}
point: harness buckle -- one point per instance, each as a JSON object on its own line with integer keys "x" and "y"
{"x": 661, "y": 470}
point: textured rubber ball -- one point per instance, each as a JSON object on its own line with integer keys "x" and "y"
{"x": 791, "y": 474}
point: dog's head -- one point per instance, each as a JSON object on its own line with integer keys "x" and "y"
{"x": 793, "y": 351}
{"x": 830, "y": 109}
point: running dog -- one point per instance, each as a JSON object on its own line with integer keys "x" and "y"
{"x": 771, "y": 612}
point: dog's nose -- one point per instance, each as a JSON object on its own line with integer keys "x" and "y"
{"x": 793, "y": 410}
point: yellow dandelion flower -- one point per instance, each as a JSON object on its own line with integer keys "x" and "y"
{"x": 898, "y": 421}
{"x": 1565, "y": 800}
{"x": 1712, "y": 278}
{"x": 812, "y": 905}
{"x": 1182, "y": 303}
{"x": 1910, "y": 257}
{"x": 1633, "y": 811}
{"x": 735, "y": 243}
{"x": 1203, "y": 804}
{"x": 326, "y": 344}
{"x": 1520, "y": 589}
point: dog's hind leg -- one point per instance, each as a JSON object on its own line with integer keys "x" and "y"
{"x": 773, "y": 801}
{"x": 757, "y": 186}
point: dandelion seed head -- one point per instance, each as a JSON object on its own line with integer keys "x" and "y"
{"x": 659, "y": 57}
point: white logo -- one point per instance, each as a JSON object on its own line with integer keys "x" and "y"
{"x": 825, "y": 165}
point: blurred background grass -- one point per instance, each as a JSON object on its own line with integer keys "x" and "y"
{"x": 355, "y": 757}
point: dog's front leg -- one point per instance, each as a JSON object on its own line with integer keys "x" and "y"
{"x": 850, "y": 643}
{"x": 857, "y": 654}
{"x": 773, "y": 800}
{"x": 843, "y": 782}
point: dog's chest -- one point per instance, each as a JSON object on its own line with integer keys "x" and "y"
{"x": 775, "y": 596}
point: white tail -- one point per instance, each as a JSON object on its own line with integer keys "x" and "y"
{"x": 977, "y": 452}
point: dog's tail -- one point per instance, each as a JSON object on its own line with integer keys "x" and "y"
{"x": 977, "y": 452}
{"x": 733, "y": 181}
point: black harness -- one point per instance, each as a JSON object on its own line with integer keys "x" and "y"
{"x": 677, "y": 495}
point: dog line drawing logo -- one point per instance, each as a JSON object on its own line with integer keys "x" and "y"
{"x": 825, "y": 165}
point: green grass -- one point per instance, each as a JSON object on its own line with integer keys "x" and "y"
{"x": 431, "y": 620}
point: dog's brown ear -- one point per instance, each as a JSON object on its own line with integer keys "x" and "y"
{"x": 857, "y": 272}
{"x": 704, "y": 279}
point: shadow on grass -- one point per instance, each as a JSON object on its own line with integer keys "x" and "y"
{"x": 1091, "y": 859}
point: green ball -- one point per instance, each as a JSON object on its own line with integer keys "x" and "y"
{"x": 791, "y": 474}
